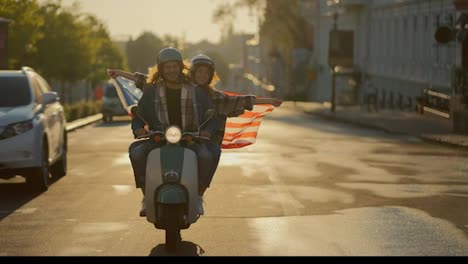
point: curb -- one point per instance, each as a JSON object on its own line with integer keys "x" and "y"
{"x": 430, "y": 139}
{"x": 79, "y": 123}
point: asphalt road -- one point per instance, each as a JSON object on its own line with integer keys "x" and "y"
{"x": 306, "y": 187}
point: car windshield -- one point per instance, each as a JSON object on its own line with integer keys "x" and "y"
{"x": 111, "y": 91}
{"x": 15, "y": 91}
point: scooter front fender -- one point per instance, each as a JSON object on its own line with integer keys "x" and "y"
{"x": 163, "y": 160}
{"x": 171, "y": 194}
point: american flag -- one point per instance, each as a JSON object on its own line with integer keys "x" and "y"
{"x": 242, "y": 131}
{"x": 129, "y": 94}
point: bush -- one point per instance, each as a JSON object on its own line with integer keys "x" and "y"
{"x": 82, "y": 109}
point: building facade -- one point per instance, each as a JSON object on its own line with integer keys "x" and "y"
{"x": 394, "y": 47}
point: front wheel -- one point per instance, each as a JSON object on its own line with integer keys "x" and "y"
{"x": 173, "y": 218}
{"x": 39, "y": 179}
{"x": 173, "y": 238}
{"x": 59, "y": 169}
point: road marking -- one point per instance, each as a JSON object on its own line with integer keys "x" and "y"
{"x": 122, "y": 189}
{"x": 122, "y": 160}
{"x": 91, "y": 228}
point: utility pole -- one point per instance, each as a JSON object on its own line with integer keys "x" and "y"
{"x": 333, "y": 99}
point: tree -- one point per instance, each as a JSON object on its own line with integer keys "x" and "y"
{"x": 142, "y": 52}
{"x": 65, "y": 52}
{"x": 222, "y": 68}
{"x": 280, "y": 20}
{"x": 104, "y": 53}
{"x": 23, "y": 33}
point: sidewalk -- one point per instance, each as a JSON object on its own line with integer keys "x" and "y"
{"x": 71, "y": 126}
{"x": 426, "y": 127}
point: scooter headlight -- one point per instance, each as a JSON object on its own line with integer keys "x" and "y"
{"x": 173, "y": 135}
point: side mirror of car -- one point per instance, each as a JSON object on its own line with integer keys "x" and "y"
{"x": 49, "y": 97}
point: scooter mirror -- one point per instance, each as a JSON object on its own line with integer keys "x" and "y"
{"x": 209, "y": 114}
{"x": 135, "y": 111}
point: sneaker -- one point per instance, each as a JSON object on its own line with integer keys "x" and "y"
{"x": 200, "y": 209}
{"x": 143, "y": 208}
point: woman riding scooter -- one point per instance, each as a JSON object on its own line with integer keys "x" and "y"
{"x": 203, "y": 74}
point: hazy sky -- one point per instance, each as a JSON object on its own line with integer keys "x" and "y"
{"x": 192, "y": 18}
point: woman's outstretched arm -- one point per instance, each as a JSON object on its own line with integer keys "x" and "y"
{"x": 273, "y": 101}
{"x": 115, "y": 73}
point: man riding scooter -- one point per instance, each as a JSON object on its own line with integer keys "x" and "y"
{"x": 169, "y": 100}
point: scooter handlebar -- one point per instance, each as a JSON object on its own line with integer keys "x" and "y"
{"x": 162, "y": 134}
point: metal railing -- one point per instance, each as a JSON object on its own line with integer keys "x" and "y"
{"x": 436, "y": 103}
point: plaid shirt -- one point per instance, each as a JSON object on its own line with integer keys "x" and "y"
{"x": 228, "y": 105}
{"x": 191, "y": 113}
{"x": 189, "y": 116}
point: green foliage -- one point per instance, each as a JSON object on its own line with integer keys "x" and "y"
{"x": 283, "y": 23}
{"x": 81, "y": 109}
{"x": 280, "y": 21}
{"x": 105, "y": 53}
{"x": 143, "y": 51}
{"x": 222, "y": 68}
{"x": 62, "y": 44}
{"x": 23, "y": 34}
{"x": 65, "y": 53}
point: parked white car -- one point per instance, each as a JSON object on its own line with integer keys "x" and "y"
{"x": 33, "y": 137}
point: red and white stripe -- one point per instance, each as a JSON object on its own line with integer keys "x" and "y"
{"x": 242, "y": 131}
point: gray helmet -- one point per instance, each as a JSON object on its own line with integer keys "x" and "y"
{"x": 169, "y": 54}
{"x": 202, "y": 59}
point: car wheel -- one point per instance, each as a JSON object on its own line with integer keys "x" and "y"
{"x": 59, "y": 169}
{"x": 39, "y": 180}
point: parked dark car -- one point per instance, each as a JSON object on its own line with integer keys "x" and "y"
{"x": 111, "y": 105}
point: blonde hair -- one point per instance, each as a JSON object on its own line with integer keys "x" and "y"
{"x": 155, "y": 76}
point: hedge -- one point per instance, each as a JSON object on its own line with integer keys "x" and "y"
{"x": 82, "y": 109}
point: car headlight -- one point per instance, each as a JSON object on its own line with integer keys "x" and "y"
{"x": 173, "y": 134}
{"x": 16, "y": 129}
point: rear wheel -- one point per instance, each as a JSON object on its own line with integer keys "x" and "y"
{"x": 39, "y": 179}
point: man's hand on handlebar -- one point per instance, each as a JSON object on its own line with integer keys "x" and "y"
{"x": 140, "y": 132}
{"x": 205, "y": 134}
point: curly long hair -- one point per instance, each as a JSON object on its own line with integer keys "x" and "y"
{"x": 155, "y": 74}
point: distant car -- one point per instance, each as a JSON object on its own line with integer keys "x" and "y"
{"x": 111, "y": 105}
{"x": 33, "y": 136}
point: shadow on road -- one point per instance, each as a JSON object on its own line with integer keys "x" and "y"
{"x": 186, "y": 248}
{"x": 14, "y": 194}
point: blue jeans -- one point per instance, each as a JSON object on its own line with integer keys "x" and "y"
{"x": 208, "y": 158}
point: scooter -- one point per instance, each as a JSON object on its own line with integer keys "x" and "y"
{"x": 171, "y": 183}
